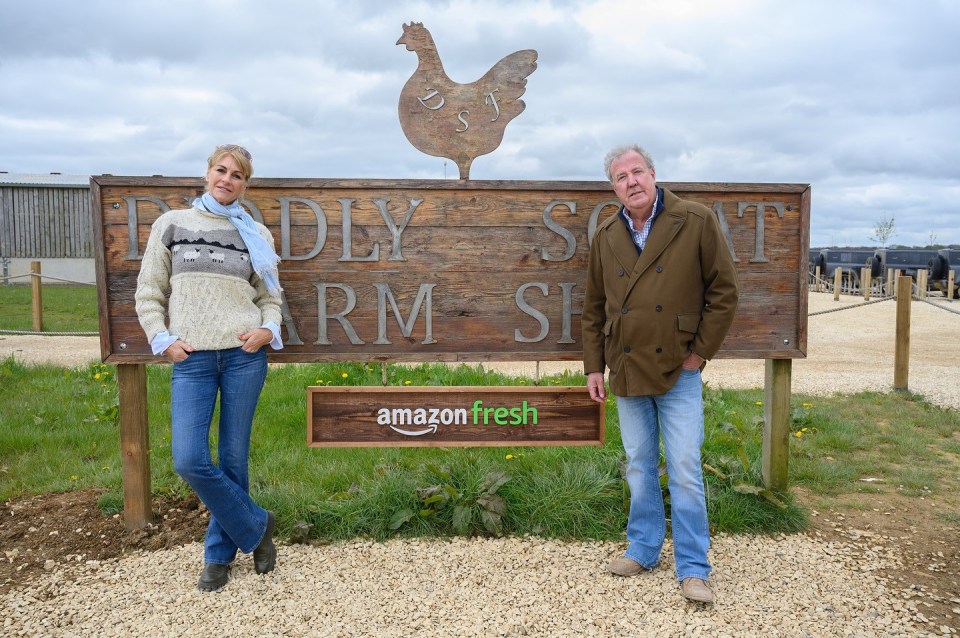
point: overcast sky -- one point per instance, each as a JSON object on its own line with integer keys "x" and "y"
{"x": 860, "y": 99}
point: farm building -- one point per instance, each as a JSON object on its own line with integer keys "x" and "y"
{"x": 46, "y": 218}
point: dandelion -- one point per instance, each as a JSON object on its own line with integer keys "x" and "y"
{"x": 408, "y": 382}
{"x": 508, "y": 457}
{"x": 760, "y": 403}
{"x": 344, "y": 375}
{"x": 97, "y": 376}
{"x": 105, "y": 468}
{"x": 74, "y": 477}
{"x": 807, "y": 405}
{"x": 798, "y": 434}
{"x": 522, "y": 382}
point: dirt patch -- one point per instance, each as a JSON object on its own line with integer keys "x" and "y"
{"x": 61, "y": 529}
{"x": 924, "y": 533}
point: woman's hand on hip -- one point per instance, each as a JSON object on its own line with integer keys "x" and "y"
{"x": 255, "y": 339}
{"x": 177, "y": 351}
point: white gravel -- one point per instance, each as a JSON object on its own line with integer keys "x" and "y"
{"x": 789, "y": 586}
{"x": 786, "y": 586}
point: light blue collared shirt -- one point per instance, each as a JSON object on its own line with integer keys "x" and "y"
{"x": 640, "y": 236}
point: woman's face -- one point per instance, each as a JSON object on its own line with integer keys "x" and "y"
{"x": 225, "y": 180}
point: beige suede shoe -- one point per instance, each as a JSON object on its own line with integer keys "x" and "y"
{"x": 697, "y": 590}
{"x": 624, "y": 566}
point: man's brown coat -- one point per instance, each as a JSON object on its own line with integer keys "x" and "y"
{"x": 643, "y": 314}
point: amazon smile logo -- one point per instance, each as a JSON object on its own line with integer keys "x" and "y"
{"x": 421, "y": 421}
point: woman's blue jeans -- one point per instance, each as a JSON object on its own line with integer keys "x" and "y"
{"x": 236, "y": 522}
{"x": 677, "y": 416}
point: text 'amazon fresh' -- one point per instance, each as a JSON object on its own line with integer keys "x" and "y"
{"x": 519, "y": 415}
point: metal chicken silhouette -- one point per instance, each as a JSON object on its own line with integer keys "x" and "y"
{"x": 459, "y": 121}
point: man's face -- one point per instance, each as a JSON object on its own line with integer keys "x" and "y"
{"x": 634, "y": 183}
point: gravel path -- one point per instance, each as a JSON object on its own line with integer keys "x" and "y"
{"x": 790, "y": 586}
{"x": 787, "y": 586}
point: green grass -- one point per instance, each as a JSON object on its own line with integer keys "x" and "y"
{"x": 63, "y": 436}
{"x": 58, "y": 432}
{"x": 65, "y": 308}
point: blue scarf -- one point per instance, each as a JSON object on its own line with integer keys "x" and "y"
{"x": 262, "y": 256}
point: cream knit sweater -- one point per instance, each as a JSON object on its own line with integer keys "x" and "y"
{"x": 196, "y": 282}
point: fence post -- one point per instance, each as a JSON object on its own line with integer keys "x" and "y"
{"x": 36, "y": 296}
{"x": 901, "y": 353}
{"x": 950, "y": 283}
{"x": 134, "y": 445}
{"x": 837, "y": 280}
{"x": 776, "y": 423}
{"x": 865, "y": 282}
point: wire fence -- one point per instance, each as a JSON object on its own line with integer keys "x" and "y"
{"x": 44, "y": 333}
{"x": 42, "y": 277}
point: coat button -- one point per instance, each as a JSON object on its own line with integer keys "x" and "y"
{"x": 620, "y": 273}
{"x": 659, "y": 308}
{"x": 659, "y": 349}
{"x": 659, "y": 268}
{"x": 626, "y": 349}
{"x": 624, "y": 310}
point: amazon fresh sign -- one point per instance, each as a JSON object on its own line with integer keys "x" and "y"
{"x": 452, "y": 416}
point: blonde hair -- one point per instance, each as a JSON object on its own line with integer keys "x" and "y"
{"x": 241, "y": 155}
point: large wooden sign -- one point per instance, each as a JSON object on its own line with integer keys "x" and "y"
{"x": 448, "y": 270}
{"x": 464, "y": 416}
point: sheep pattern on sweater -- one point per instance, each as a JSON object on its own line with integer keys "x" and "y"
{"x": 197, "y": 282}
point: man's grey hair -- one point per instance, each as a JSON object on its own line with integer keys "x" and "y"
{"x": 619, "y": 151}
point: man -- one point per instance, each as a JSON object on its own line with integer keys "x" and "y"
{"x": 661, "y": 294}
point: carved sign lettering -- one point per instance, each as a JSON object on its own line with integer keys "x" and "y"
{"x": 452, "y": 271}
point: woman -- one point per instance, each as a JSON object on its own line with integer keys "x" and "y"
{"x": 208, "y": 299}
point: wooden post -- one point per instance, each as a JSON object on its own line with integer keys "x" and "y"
{"x": 837, "y": 279}
{"x": 816, "y": 279}
{"x": 901, "y": 353}
{"x": 36, "y": 296}
{"x": 922, "y": 284}
{"x": 950, "y": 284}
{"x": 134, "y": 445}
{"x": 776, "y": 423}
{"x": 865, "y": 281}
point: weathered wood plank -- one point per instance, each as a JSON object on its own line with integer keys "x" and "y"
{"x": 442, "y": 416}
{"x": 497, "y": 269}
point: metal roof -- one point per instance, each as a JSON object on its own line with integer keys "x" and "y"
{"x": 61, "y": 180}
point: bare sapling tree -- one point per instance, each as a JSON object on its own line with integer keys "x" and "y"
{"x": 883, "y": 231}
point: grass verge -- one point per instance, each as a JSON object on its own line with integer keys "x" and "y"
{"x": 65, "y": 308}
{"x": 62, "y": 435}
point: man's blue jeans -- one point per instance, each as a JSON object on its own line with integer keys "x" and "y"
{"x": 236, "y": 522}
{"x": 677, "y": 416}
